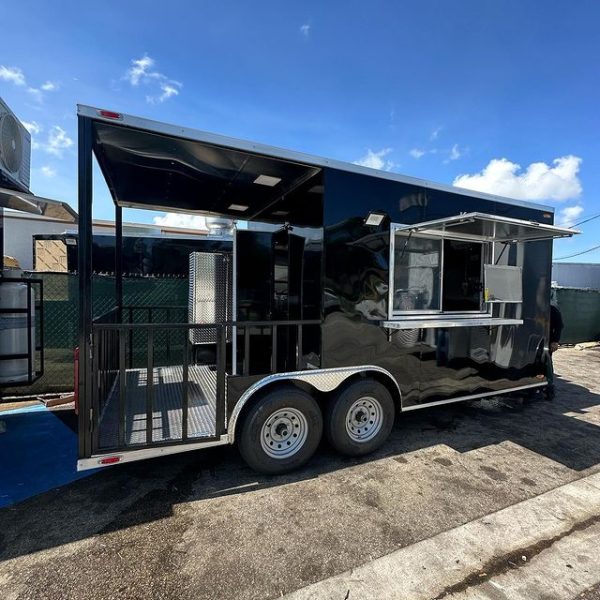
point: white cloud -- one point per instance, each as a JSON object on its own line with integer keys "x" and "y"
{"x": 58, "y": 141}
{"x": 376, "y": 160}
{"x": 168, "y": 90}
{"x": 539, "y": 181}
{"x": 569, "y": 215}
{"x": 455, "y": 153}
{"x": 181, "y": 220}
{"x": 305, "y": 29}
{"x": 142, "y": 71}
{"x": 33, "y": 127}
{"x": 435, "y": 133}
{"x": 417, "y": 153}
{"x": 12, "y": 74}
{"x": 49, "y": 86}
{"x": 16, "y": 76}
{"x": 37, "y": 94}
{"x": 48, "y": 171}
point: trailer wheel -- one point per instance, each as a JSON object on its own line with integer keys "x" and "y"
{"x": 360, "y": 417}
{"x": 281, "y": 431}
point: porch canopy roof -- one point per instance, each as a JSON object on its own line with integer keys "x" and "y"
{"x": 29, "y": 203}
{"x": 489, "y": 228}
{"x": 155, "y": 166}
{"x": 158, "y": 166}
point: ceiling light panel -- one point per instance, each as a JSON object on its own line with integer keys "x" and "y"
{"x": 267, "y": 180}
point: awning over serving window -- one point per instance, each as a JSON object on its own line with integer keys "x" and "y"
{"x": 489, "y": 228}
{"x": 53, "y": 209}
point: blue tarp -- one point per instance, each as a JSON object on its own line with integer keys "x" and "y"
{"x": 38, "y": 452}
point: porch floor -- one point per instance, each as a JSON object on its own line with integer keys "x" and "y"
{"x": 167, "y": 406}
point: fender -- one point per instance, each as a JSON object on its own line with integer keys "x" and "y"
{"x": 324, "y": 380}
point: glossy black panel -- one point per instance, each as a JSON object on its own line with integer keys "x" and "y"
{"x": 254, "y": 275}
{"x": 278, "y": 278}
{"x": 429, "y": 364}
{"x": 462, "y": 276}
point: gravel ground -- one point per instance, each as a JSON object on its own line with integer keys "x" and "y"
{"x": 203, "y": 525}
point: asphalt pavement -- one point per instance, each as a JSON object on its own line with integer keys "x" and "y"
{"x": 203, "y": 525}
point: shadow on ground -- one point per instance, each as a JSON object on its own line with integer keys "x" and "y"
{"x": 132, "y": 494}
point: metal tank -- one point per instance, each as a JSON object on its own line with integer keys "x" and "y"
{"x": 17, "y": 303}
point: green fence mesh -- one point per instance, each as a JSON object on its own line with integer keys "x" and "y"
{"x": 61, "y": 318}
{"x": 580, "y": 310}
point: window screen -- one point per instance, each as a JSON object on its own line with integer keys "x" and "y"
{"x": 503, "y": 283}
{"x": 417, "y": 263}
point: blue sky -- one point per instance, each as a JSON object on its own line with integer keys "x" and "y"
{"x": 496, "y": 95}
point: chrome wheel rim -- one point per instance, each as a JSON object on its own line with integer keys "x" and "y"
{"x": 364, "y": 419}
{"x": 284, "y": 433}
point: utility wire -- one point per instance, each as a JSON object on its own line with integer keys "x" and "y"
{"x": 566, "y": 223}
{"x": 579, "y": 253}
{"x": 583, "y": 251}
{"x": 584, "y": 220}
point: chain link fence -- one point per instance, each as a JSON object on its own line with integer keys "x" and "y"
{"x": 61, "y": 319}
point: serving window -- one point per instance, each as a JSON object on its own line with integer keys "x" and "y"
{"x": 443, "y": 272}
{"x": 433, "y": 275}
{"x": 417, "y": 274}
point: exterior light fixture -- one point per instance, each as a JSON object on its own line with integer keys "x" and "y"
{"x": 375, "y": 218}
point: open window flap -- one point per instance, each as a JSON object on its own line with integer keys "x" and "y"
{"x": 53, "y": 209}
{"x": 489, "y": 228}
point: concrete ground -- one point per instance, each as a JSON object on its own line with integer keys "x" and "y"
{"x": 203, "y": 525}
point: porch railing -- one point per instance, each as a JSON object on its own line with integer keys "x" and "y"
{"x": 116, "y": 351}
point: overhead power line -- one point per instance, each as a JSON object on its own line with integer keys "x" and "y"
{"x": 566, "y": 223}
{"x": 586, "y": 220}
{"x": 579, "y": 253}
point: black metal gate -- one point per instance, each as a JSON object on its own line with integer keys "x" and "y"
{"x": 149, "y": 387}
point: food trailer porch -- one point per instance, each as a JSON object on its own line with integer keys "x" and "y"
{"x": 148, "y": 383}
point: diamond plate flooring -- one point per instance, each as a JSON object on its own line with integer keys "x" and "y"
{"x": 166, "y": 408}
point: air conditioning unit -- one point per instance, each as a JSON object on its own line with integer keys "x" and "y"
{"x": 15, "y": 151}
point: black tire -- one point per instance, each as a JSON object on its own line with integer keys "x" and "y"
{"x": 346, "y": 410}
{"x": 301, "y": 411}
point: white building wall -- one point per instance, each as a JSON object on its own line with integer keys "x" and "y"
{"x": 19, "y": 229}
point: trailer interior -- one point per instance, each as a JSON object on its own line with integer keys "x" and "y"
{"x": 151, "y": 385}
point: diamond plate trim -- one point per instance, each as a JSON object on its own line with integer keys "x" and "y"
{"x": 209, "y": 297}
{"x": 325, "y": 380}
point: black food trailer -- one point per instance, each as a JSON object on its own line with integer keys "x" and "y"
{"x": 350, "y": 295}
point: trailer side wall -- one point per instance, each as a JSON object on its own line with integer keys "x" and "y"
{"x": 429, "y": 364}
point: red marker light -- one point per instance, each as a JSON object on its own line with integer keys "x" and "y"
{"x": 109, "y": 114}
{"x": 110, "y": 460}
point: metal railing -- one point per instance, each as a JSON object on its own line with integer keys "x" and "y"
{"x": 33, "y": 313}
{"x": 153, "y": 314}
{"x": 113, "y": 355}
